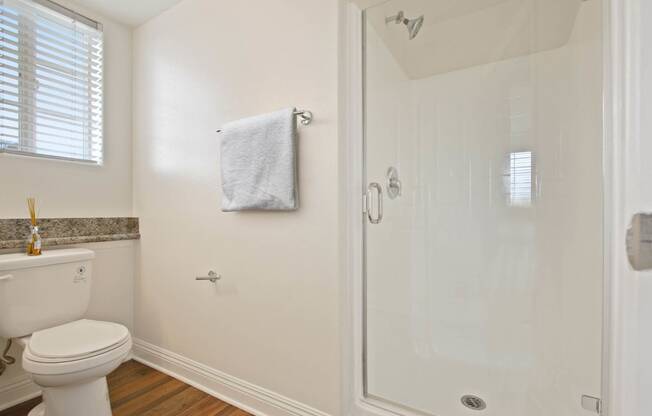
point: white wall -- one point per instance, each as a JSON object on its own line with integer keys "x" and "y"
{"x": 641, "y": 156}
{"x": 65, "y": 189}
{"x": 273, "y": 319}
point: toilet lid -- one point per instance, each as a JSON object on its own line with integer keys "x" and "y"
{"x": 77, "y": 339}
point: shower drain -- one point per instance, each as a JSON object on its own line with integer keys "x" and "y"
{"x": 473, "y": 402}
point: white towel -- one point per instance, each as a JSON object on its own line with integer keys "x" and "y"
{"x": 258, "y": 162}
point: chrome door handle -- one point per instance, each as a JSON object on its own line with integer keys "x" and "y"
{"x": 379, "y": 193}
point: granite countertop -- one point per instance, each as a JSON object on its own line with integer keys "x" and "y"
{"x": 14, "y": 232}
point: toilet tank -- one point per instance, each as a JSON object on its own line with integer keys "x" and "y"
{"x": 43, "y": 291}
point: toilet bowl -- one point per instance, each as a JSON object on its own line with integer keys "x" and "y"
{"x": 70, "y": 362}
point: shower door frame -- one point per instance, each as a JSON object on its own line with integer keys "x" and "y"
{"x": 617, "y": 35}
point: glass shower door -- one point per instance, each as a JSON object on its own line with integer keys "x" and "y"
{"x": 483, "y": 145}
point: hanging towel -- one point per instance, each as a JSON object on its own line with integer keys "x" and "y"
{"x": 258, "y": 163}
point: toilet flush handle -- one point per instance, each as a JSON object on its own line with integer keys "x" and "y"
{"x": 6, "y": 277}
{"x": 212, "y": 276}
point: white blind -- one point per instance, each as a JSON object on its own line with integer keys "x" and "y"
{"x": 50, "y": 83}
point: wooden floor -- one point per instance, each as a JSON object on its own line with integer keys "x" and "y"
{"x": 137, "y": 390}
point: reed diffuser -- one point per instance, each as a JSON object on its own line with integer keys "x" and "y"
{"x": 34, "y": 243}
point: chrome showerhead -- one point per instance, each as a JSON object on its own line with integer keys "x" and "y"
{"x": 413, "y": 25}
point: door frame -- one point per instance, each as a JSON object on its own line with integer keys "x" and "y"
{"x": 623, "y": 197}
{"x": 620, "y": 297}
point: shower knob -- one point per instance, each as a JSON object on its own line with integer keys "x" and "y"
{"x": 394, "y": 185}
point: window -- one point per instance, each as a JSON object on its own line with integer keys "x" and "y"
{"x": 520, "y": 179}
{"x": 50, "y": 82}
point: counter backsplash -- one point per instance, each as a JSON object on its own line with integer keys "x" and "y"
{"x": 14, "y": 232}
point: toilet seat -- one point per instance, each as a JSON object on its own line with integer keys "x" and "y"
{"x": 76, "y": 340}
{"x": 75, "y": 347}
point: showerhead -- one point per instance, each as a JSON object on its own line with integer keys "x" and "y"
{"x": 413, "y": 25}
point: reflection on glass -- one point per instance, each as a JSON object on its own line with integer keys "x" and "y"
{"x": 520, "y": 179}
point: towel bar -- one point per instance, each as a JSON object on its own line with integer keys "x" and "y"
{"x": 304, "y": 115}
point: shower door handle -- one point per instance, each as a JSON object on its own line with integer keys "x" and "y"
{"x": 379, "y": 194}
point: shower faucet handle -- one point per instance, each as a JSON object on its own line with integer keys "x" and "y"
{"x": 394, "y": 185}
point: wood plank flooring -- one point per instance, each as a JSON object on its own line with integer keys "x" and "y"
{"x": 137, "y": 390}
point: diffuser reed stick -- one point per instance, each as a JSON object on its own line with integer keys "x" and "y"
{"x": 34, "y": 243}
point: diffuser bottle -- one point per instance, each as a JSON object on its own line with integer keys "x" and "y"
{"x": 34, "y": 246}
{"x": 34, "y": 243}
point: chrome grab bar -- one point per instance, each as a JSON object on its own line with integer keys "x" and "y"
{"x": 212, "y": 276}
{"x": 379, "y": 191}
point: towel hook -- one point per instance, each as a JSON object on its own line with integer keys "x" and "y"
{"x": 305, "y": 117}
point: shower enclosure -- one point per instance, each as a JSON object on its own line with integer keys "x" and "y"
{"x": 483, "y": 235}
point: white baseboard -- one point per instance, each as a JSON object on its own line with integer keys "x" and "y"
{"x": 242, "y": 394}
{"x": 17, "y": 391}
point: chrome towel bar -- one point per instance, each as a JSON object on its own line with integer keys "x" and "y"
{"x": 304, "y": 116}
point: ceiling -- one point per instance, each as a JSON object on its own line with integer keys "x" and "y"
{"x": 129, "y": 12}
{"x": 459, "y": 34}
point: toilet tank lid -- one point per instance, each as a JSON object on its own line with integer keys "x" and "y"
{"x": 18, "y": 261}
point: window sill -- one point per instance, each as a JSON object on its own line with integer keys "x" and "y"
{"x": 25, "y": 155}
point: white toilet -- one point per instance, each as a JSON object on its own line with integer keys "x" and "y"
{"x": 42, "y": 302}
